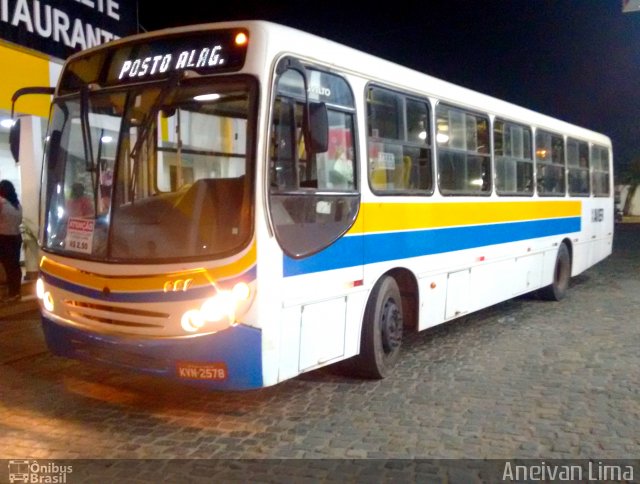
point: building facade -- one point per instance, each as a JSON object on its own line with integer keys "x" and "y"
{"x": 36, "y": 36}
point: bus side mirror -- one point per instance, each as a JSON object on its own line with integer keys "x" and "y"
{"x": 14, "y": 133}
{"x": 318, "y": 127}
{"x": 14, "y": 140}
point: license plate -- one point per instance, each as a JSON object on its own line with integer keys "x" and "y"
{"x": 202, "y": 371}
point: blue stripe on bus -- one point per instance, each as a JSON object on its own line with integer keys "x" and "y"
{"x": 146, "y": 296}
{"x": 371, "y": 248}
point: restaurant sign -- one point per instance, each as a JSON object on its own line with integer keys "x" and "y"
{"x": 61, "y": 27}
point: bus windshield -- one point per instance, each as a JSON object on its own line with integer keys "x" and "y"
{"x": 154, "y": 172}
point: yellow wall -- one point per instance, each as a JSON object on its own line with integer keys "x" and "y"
{"x": 21, "y": 69}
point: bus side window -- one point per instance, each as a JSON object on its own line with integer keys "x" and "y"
{"x": 399, "y": 144}
{"x": 513, "y": 158}
{"x": 464, "y": 162}
{"x": 600, "y": 175}
{"x": 578, "y": 167}
{"x": 336, "y": 170}
{"x": 550, "y": 166}
{"x": 283, "y": 159}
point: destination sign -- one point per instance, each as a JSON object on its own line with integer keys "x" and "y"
{"x": 157, "y": 58}
{"x": 162, "y": 63}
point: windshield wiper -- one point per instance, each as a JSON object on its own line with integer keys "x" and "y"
{"x": 86, "y": 129}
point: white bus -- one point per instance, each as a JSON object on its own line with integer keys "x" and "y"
{"x": 234, "y": 204}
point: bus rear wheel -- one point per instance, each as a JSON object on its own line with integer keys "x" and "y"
{"x": 382, "y": 330}
{"x": 557, "y": 290}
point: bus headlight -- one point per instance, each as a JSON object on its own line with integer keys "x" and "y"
{"x": 192, "y": 321}
{"x": 44, "y": 295}
{"x": 47, "y": 301}
{"x": 221, "y": 308}
{"x": 40, "y": 288}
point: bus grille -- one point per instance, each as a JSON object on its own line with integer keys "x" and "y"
{"x": 126, "y": 317}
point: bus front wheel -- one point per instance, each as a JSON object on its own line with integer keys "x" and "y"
{"x": 382, "y": 330}
{"x": 557, "y": 290}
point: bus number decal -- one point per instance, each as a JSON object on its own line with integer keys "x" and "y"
{"x": 202, "y": 371}
{"x": 597, "y": 215}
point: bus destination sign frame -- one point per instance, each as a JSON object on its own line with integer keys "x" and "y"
{"x": 158, "y": 58}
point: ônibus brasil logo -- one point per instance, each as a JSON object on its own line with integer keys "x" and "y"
{"x": 32, "y": 471}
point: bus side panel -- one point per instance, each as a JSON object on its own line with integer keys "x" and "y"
{"x": 595, "y": 241}
{"x": 318, "y": 327}
{"x": 433, "y": 298}
{"x": 322, "y": 306}
{"x": 601, "y": 217}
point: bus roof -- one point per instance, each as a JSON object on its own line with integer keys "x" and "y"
{"x": 276, "y": 41}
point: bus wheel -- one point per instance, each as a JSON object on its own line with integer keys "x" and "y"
{"x": 382, "y": 330}
{"x": 557, "y": 290}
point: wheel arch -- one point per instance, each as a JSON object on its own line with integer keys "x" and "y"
{"x": 567, "y": 241}
{"x": 408, "y": 285}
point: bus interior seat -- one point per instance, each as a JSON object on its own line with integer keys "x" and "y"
{"x": 215, "y": 215}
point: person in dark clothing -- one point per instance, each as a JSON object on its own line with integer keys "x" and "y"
{"x": 10, "y": 238}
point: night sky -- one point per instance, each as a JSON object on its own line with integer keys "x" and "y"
{"x": 578, "y": 60}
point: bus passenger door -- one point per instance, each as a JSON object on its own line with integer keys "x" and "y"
{"x": 313, "y": 204}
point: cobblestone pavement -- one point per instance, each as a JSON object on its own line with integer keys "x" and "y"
{"x": 523, "y": 379}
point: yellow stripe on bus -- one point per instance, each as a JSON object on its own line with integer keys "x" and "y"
{"x": 389, "y": 217}
{"x": 199, "y": 277}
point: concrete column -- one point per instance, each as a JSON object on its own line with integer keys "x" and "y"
{"x": 30, "y": 175}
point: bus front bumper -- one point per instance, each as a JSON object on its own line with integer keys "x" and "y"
{"x": 227, "y": 360}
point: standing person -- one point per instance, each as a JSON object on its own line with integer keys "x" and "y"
{"x": 10, "y": 238}
{"x": 79, "y": 204}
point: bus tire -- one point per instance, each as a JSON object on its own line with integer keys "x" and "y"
{"x": 557, "y": 290}
{"x": 381, "y": 331}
